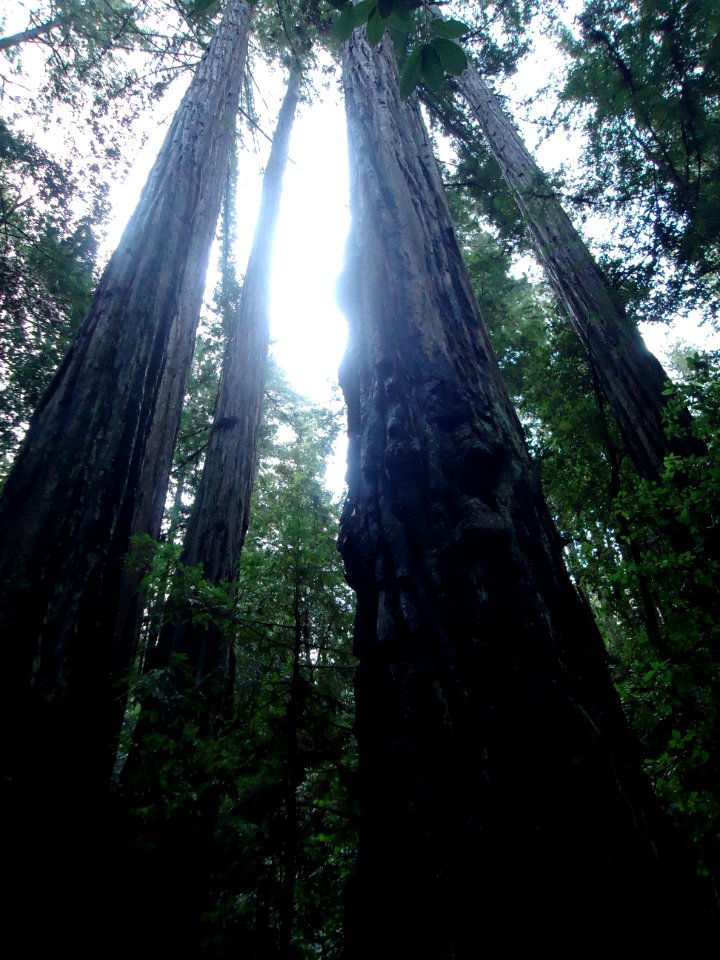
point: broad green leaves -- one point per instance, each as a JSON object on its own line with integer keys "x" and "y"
{"x": 448, "y": 29}
{"x": 352, "y": 16}
{"x": 433, "y": 52}
{"x": 431, "y": 67}
{"x": 451, "y": 56}
{"x": 412, "y": 73}
{"x": 375, "y": 28}
{"x": 440, "y": 56}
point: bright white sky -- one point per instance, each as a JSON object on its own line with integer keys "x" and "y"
{"x": 307, "y": 330}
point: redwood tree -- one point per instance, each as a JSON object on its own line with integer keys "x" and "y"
{"x": 102, "y": 432}
{"x": 501, "y": 794}
{"x": 630, "y": 376}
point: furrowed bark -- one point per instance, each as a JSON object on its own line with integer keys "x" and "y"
{"x": 175, "y": 866}
{"x": 104, "y": 430}
{"x": 501, "y": 793}
{"x": 631, "y": 377}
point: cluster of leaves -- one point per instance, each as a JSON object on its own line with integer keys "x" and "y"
{"x": 101, "y": 53}
{"x": 672, "y": 687}
{"x": 433, "y": 52}
{"x": 47, "y": 257}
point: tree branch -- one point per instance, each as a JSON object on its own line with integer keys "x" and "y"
{"x": 15, "y": 39}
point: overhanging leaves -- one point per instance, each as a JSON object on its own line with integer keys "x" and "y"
{"x": 449, "y": 29}
{"x": 452, "y": 56}
{"x": 412, "y": 73}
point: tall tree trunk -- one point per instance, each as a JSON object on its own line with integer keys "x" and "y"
{"x": 82, "y": 478}
{"x": 632, "y": 378}
{"x": 220, "y": 514}
{"x": 501, "y": 794}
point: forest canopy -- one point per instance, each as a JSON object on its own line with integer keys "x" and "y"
{"x": 295, "y": 715}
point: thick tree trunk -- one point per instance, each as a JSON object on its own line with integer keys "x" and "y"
{"x": 632, "y": 378}
{"x": 104, "y": 428}
{"x": 501, "y": 794}
{"x": 221, "y": 510}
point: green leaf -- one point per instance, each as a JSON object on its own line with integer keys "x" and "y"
{"x": 385, "y": 8}
{"x": 375, "y": 28}
{"x": 412, "y": 71}
{"x": 405, "y": 24}
{"x": 361, "y": 12}
{"x": 449, "y": 29}
{"x": 452, "y": 57}
{"x": 339, "y": 4}
{"x": 343, "y": 26}
{"x": 432, "y": 68}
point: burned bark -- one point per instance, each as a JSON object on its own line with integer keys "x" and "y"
{"x": 501, "y": 793}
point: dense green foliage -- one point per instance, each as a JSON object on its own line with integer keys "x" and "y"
{"x": 46, "y": 277}
{"x": 278, "y": 776}
{"x": 280, "y": 771}
{"x": 643, "y": 82}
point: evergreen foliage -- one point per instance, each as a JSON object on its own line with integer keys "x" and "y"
{"x": 280, "y": 771}
{"x": 263, "y": 811}
{"x": 47, "y": 257}
{"x": 643, "y": 82}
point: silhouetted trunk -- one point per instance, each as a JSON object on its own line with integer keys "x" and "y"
{"x": 221, "y": 510}
{"x": 501, "y": 794}
{"x": 631, "y": 377}
{"x": 80, "y": 482}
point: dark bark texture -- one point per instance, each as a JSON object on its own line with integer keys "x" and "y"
{"x": 501, "y": 794}
{"x": 631, "y": 377}
{"x": 94, "y": 466}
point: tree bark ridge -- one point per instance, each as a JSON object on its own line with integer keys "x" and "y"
{"x": 500, "y": 789}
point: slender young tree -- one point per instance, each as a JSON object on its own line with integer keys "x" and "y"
{"x": 630, "y": 376}
{"x": 71, "y": 500}
{"x": 220, "y": 513}
{"x": 501, "y": 793}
